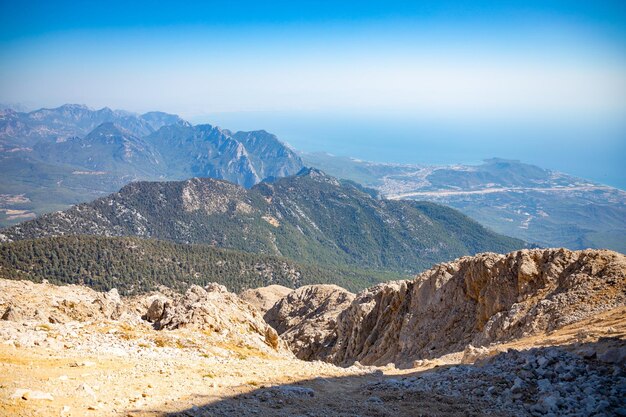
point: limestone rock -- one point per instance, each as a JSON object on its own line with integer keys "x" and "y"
{"x": 264, "y": 298}
{"x": 53, "y": 316}
{"x": 306, "y": 318}
{"x": 477, "y": 300}
{"x": 27, "y": 394}
{"x": 614, "y": 355}
{"x": 12, "y": 313}
{"x": 216, "y": 310}
{"x": 471, "y": 354}
{"x": 156, "y": 309}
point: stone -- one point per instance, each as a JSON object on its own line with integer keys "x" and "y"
{"x": 155, "y": 311}
{"x": 215, "y": 310}
{"x": 550, "y": 402}
{"x": 518, "y": 385}
{"x": 27, "y": 394}
{"x": 293, "y": 390}
{"x": 306, "y": 318}
{"x": 587, "y": 353}
{"x": 87, "y": 390}
{"x": 613, "y": 355}
{"x": 544, "y": 385}
{"x": 472, "y": 354}
{"x": 12, "y": 313}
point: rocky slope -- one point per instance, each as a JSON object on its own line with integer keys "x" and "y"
{"x": 107, "y": 148}
{"x": 306, "y": 318}
{"x": 50, "y": 316}
{"x": 265, "y": 149}
{"x": 454, "y": 308}
{"x": 310, "y": 217}
{"x": 477, "y": 301}
{"x": 70, "y": 351}
{"x": 208, "y": 151}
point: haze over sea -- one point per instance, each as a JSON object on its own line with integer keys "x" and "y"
{"x": 593, "y": 152}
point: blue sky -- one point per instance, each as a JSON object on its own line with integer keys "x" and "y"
{"x": 500, "y": 66}
{"x": 462, "y": 59}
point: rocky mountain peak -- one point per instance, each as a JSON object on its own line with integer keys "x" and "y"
{"x": 108, "y": 129}
{"x": 317, "y": 175}
{"x": 74, "y": 107}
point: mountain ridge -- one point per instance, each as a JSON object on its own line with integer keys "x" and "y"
{"x": 309, "y": 217}
{"x": 460, "y": 308}
{"x": 51, "y": 158}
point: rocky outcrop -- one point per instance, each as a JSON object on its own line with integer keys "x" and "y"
{"x": 476, "y": 300}
{"x": 264, "y": 298}
{"x": 214, "y": 313}
{"x": 26, "y": 301}
{"x": 214, "y": 309}
{"x": 307, "y": 317}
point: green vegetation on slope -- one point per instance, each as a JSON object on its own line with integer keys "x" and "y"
{"x": 134, "y": 265}
{"x": 310, "y": 218}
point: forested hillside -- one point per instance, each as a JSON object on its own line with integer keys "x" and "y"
{"x": 134, "y": 265}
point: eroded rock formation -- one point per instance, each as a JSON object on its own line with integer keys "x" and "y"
{"x": 476, "y": 300}
{"x": 306, "y": 318}
{"x": 212, "y": 312}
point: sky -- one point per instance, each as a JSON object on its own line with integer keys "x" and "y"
{"x": 415, "y": 72}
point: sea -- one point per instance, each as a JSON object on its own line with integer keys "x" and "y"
{"x": 593, "y": 151}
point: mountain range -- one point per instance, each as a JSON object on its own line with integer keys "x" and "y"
{"x": 53, "y": 158}
{"x": 310, "y": 217}
{"x": 548, "y": 208}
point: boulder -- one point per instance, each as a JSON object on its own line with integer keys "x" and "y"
{"x": 215, "y": 310}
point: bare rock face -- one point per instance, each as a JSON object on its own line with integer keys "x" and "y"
{"x": 306, "y": 318}
{"x": 477, "y": 300}
{"x": 213, "y": 309}
{"x": 264, "y": 298}
{"x": 12, "y": 313}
